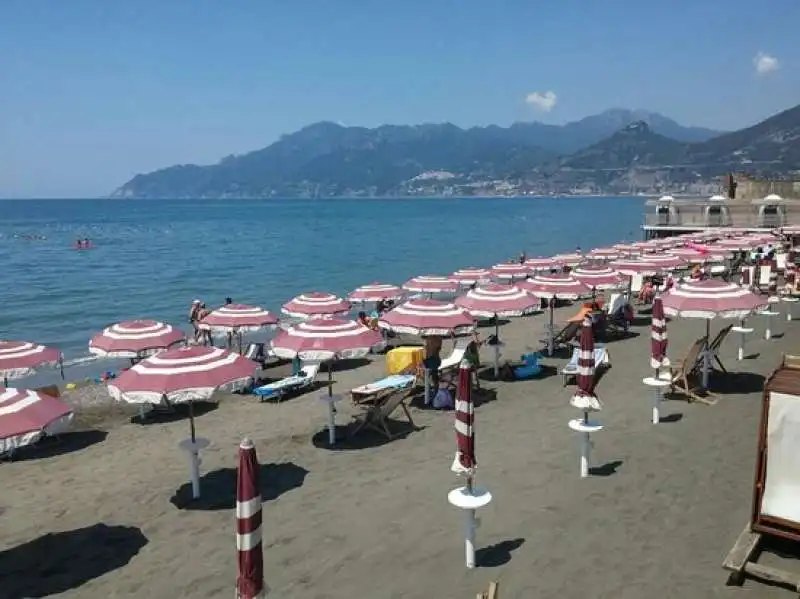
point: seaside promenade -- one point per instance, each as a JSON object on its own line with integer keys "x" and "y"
{"x": 658, "y": 517}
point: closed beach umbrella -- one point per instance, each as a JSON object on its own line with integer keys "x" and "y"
{"x": 135, "y": 339}
{"x": 375, "y": 292}
{"x": 465, "y": 462}
{"x": 472, "y": 276}
{"x": 536, "y": 265}
{"x": 26, "y": 416}
{"x": 658, "y": 336}
{"x": 709, "y": 299}
{"x": 584, "y": 398}
{"x": 427, "y": 317}
{"x": 316, "y": 305}
{"x": 323, "y": 339}
{"x": 238, "y": 318}
{"x": 431, "y": 284}
{"x": 597, "y": 277}
{"x": 493, "y": 301}
{"x": 250, "y": 582}
{"x": 22, "y": 358}
{"x": 510, "y": 271}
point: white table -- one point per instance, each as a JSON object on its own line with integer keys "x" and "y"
{"x": 579, "y": 425}
{"x": 768, "y": 314}
{"x": 743, "y": 332}
{"x": 658, "y": 385}
{"x": 790, "y": 302}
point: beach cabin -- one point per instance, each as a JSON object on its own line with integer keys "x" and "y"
{"x": 716, "y": 213}
{"x": 667, "y": 211}
{"x": 770, "y": 212}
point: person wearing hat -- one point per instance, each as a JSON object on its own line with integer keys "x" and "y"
{"x": 194, "y": 309}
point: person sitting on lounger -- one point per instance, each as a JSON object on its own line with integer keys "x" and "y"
{"x": 370, "y": 323}
{"x": 647, "y": 293}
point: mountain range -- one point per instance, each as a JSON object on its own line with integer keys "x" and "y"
{"x": 605, "y": 152}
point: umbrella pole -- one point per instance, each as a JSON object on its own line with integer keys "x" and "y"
{"x": 496, "y": 355}
{"x": 193, "y": 449}
{"x": 706, "y": 356}
{"x": 550, "y": 348}
{"x": 331, "y": 399}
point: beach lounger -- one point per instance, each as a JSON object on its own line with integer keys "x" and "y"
{"x": 601, "y": 360}
{"x": 565, "y": 335}
{"x": 376, "y": 416}
{"x": 372, "y": 392}
{"x": 457, "y": 355}
{"x": 290, "y": 384}
{"x": 714, "y": 348}
{"x": 682, "y": 373}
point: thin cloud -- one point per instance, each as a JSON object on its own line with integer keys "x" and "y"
{"x": 544, "y": 101}
{"x": 765, "y": 63}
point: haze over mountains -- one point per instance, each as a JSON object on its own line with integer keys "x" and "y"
{"x": 600, "y": 153}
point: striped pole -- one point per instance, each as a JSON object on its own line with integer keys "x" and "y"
{"x": 250, "y": 582}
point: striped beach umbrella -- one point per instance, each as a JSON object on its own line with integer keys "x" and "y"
{"x": 238, "y": 318}
{"x": 472, "y": 276}
{"x": 555, "y": 286}
{"x": 584, "y": 397}
{"x": 668, "y": 262}
{"x": 635, "y": 266}
{"x": 658, "y": 336}
{"x": 316, "y": 305}
{"x": 427, "y": 317}
{"x": 375, "y": 292}
{"x": 569, "y": 259}
{"x": 431, "y": 284}
{"x": 323, "y": 339}
{"x": 250, "y": 582}
{"x": 22, "y": 358}
{"x": 512, "y": 271}
{"x": 543, "y": 264}
{"x": 488, "y": 301}
{"x": 135, "y": 339}
{"x": 604, "y": 254}
{"x": 26, "y": 416}
{"x": 597, "y": 277}
{"x": 465, "y": 462}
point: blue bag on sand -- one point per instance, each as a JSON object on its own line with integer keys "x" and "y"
{"x": 443, "y": 400}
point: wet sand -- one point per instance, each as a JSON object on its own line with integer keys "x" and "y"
{"x": 661, "y": 511}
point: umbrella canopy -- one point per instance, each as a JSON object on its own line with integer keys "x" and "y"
{"x": 183, "y": 374}
{"x": 492, "y": 300}
{"x": 658, "y": 336}
{"x": 431, "y": 284}
{"x": 695, "y": 255}
{"x": 597, "y": 277}
{"x": 543, "y": 264}
{"x": 625, "y": 249}
{"x": 135, "y": 339}
{"x": 316, "y": 305}
{"x": 734, "y": 244}
{"x": 464, "y": 462}
{"x": 711, "y": 298}
{"x": 238, "y": 318}
{"x": 26, "y": 416}
{"x": 426, "y": 317}
{"x": 510, "y": 271}
{"x": 472, "y": 276}
{"x": 21, "y": 358}
{"x": 250, "y": 582}
{"x": 633, "y": 267}
{"x": 584, "y": 397}
{"x": 560, "y": 286}
{"x": 604, "y": 254}
{"x": 323, "y": 339}
{"x": 569, "y": 259}
{"x": 375, "y": 292}
{"x": 667, "y": 262}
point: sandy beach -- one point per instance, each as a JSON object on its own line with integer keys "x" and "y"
{"x": 664, "y": 507}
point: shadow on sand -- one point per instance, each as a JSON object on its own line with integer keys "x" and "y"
{"x": 497, "y": 554}
{"x": 733, "y": 383}
{"x": 607, "y": 469}
{"x": 56, "y": 563}
{"x": 50, "y": 447}
{"x": 180, "y": 411}
{"x": 366, "y": 438}
{"x": 487, "y": 373}
{"x": 218, "y": 487}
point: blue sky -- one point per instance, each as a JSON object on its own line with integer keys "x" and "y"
{"x": 94, "y": 91}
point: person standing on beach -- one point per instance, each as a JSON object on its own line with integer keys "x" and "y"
{"x": 433, "y": 349}
{"x": 205, "y": 335}
{"x": 193, "y": 310}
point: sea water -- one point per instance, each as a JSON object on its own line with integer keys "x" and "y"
{"x": 150, "y": 259}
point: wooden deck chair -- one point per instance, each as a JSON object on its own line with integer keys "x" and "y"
{"x": 682, "y": 372}
{"x": 375, "y": 416}
{"x": 714, "y": 348}
{"x": 565, "y": 335}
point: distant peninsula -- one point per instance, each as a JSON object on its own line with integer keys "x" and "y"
{"x": 616, "y": 152}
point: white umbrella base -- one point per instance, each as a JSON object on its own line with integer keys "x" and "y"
{"x": 469, "y": 501}
{"x": 658, "y": 385}
{"x": 586, "y": 429}
{"x": 193, "y": 448}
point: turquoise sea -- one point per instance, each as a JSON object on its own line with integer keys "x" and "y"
{"x": 151, "y": 258}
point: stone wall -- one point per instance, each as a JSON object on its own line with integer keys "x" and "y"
{"x": 750, "y": 189}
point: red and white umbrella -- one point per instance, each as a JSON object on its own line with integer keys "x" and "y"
{"x": 625, "y": 249}
{"x": 631, "y": 267}
{"x": 135, "y": 339}
{"x": 597, "y": 277}
{"x": 510, "y": 271}
{"x": 26, "y": 416}
{"x": 585, "y": 398}
{"x": 604, "y": 254}
{"x": 316, "y": 305}
{"x": 22, "y": 358}
{"x": 734, "y": 244}
{"x": 323, "y": 339}
{"x": 569, "y": 259}
{"x": 375, "y": 292}
{"x": 431, "y": 284}
{"x": 465, "y": 462}
{"x": 555, "y": 286}
{"x": 250, "y": 582}
{"x": 426, "y": 317}
{"x": 488, "y": 301}
{"x": 183, "y": 374}
{"x": 658, "y": 336}
{"x": 709, "y": 299}
{"x": 238, "y": 318}
{"x": 668, "y": 262}
{"x": 543, "y": 264}
{"x": 696, "y": 256}
{"x": 472, "y": 276}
